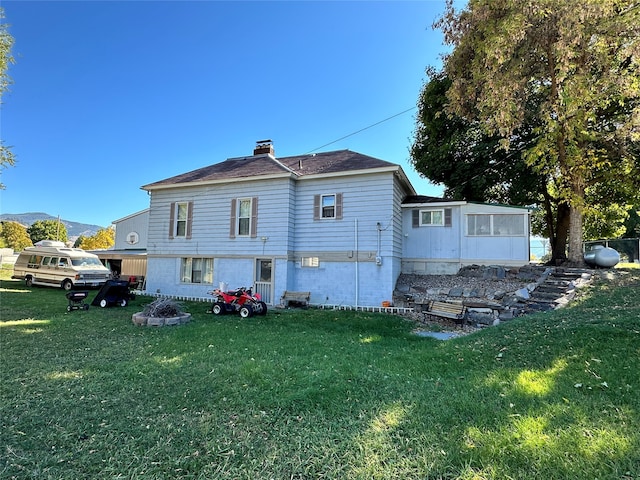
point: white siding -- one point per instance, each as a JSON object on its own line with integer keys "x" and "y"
{"x": 234, "y": 258}
{"x": 347, "y": 248}
{"x": 211, "y": 214}
{"x": 138, "y": 223}
{"x": 444, "y": 250}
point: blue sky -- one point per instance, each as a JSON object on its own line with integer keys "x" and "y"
{"x": 110, "y": 96}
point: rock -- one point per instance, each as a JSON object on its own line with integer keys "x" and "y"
{"x": 484, "y": 311}
{"x": 139, "y": 319}
{"x": 499, "y": 294}
{"x": 482, "y": 318}
{"x": 155, "y": 322}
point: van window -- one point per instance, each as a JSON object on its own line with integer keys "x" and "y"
{"x": 34, "y": 261}
{"x": 64, "y": 262}
{"x": 86, "y": 261}
{"x": 53, "y": 262}
{"x": 45, "y": 262}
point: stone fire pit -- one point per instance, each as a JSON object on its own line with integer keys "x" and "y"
{"x": 161, "y": 312}
{"x": 141, "y": 319}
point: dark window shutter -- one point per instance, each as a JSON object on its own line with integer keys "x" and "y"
{"x": 447, "y": 217}
{"x": 232, "y": 221}
{"x": 189, "y": 219}
{"x": 172, "y": 219}
{"x": 338, "y": 206}
{"x": 316, "y": 207}
{"x": 254, "y": 217}
{"x": 415, "y": 218}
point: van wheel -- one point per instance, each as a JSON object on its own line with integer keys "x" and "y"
{"x": 29, "y": 281}
{"x": 67, "y": 285}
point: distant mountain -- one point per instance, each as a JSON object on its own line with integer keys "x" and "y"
{"x": 74, "y": 229}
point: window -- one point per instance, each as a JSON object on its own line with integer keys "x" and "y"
{"x": 310, "y": 262}
{"x": 196, "y": 270}
{"x": 180, "y": 219}
{"x": 508, "y": 225}
{"x": 431, "y": 217}
{"x": 244, "y": 217}
{"x": 498, "y": 225}
{"x": 328, "y": 206}
{"x": 34, "y": 261}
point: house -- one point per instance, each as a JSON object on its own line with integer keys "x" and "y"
{"x": 128, "y": 257}
{"x": 341, "y": 225}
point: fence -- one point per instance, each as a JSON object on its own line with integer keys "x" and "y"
{"x": 628, "y": 248}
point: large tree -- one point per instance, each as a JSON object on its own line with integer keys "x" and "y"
{"x": 472, "y": 166}
{"x": 47, "y": 230}
{"x": 7, "y": 157}
{"x": 14, "y": 235}
{"x": 569, "y": 68}
{"x": 103, "y": 239}
{"x": 456, "y": 152}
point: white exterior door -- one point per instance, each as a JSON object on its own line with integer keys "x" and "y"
{"x": 264, "y": 276}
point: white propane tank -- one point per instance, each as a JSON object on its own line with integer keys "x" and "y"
{"x": 604, "y": 257}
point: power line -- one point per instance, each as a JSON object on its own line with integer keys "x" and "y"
{"x": 362, "y": 129}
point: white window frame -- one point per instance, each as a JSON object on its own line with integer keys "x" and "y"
{"x": 493, "y": 228}
{"x": 182, "y": 218}
{"x": 431, "y": 212}
{"x": 309, "y": 262}
{"x": 240, "y": 217}
{"x": 201, "y": 275}
{"x": 322, "y": 206}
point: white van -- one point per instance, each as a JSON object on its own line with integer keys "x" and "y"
{"x": 52, "y": 263}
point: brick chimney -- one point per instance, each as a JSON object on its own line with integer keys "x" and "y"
{"x": 264, "y": 146}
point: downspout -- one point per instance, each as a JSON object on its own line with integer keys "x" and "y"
{"x": 356, "y": 248}
{"x": 461, "y": 230}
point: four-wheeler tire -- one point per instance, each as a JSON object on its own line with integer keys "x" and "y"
{"x": 68, "y": 308}
{"x": 67, "y": 285}
{"x": 246, "y": 311}
{"x": 29, "y": 281}
{"x": 263, "y": 311}
{"x": 86, "y": 306}
{"x": 218, "y": 308}
{"x": 123, "y": 302}
{"x": 103, "y": 303}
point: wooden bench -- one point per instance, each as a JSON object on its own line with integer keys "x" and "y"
{"x": 295, "y": 299}
{"x": 454, "y": 311}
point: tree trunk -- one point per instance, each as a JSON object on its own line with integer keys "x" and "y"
{"x": 559, "y": 240}
{"x": 576, "y": 255}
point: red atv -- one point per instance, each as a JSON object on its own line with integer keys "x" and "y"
{"x": 240, "y": 300}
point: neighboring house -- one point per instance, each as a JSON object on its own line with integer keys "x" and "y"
{"x": 128, "y": 257}
{"x": 340, "y": 225}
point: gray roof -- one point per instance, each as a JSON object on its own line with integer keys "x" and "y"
{"x": 340, "y": 161}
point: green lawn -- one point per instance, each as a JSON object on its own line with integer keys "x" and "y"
{"x": 318, "y": 394}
